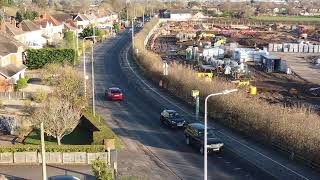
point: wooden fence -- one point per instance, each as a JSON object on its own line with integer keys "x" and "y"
{"x": 16, "y": 95}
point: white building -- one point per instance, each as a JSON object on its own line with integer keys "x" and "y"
{"x": 180, "y": 15}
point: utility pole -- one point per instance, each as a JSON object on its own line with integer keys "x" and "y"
{"x": 77, "y": 43}
{"x": 132, "y": 33}
{"x": 43, "y": 153}
{"x": 92, "y": 74}
{"x": 84, "y": 68}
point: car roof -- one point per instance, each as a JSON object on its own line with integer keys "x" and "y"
{"x": 63, "y": 178}
{"x": 170, "y": 111}
{"x": 114, "y": 88}
{"x": 199, "y": 126}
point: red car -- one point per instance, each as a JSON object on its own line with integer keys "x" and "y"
{"x": 114, "y": 94}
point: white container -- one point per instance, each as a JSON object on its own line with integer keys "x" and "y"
{"x": 270, "y": 47}
{"x": 305, "y": 48}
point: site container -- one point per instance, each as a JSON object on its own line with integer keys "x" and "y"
{"x": 316, "y": 49}
{"x": 305, "y": 48}
{"x": 311, "y": 48}
{"x": 279, "y": 48}
{"x": 189, "y": 53}
{"x": 296, "y": 48}
{"x": 270, "y": 47}
{"x": 275, "y": 47}
{"x": 300, "y": 46}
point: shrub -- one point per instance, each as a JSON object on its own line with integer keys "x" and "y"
{"x": 294, "y": 129}
{"x": 101, "y": 170}
{"x": 37, "y": 58}
{"x": 1, "y": 104}
{"x": 21, "y": 83}
{"x": 28, "y": 108}
{"x": 40, "y": 96}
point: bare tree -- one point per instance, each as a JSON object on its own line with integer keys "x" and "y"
{"x": 59, "y": 117}
{"x": 61, "y": 111}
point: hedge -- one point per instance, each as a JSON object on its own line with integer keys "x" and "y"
{"x": 37, "y": 58}
{"x": 52, "y": 148}
{"x": 103, "y": 131}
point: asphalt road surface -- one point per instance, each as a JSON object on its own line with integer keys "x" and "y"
{"x": 157, "y": 152}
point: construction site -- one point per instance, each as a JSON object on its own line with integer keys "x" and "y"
{"x": 278, "y": 63}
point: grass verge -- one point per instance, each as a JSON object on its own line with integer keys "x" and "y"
{"x": 287, "y": 18}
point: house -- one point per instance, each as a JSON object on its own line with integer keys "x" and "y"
{"x": 180, "y": 15}
{"x": 52, "y": 29}
{"x": 32, "y": 36}
{"x": 11, "y": 62}
{"x": 26, "y": 32}
{"x": 66, "y": 20}
{"x": 83, "y": 20}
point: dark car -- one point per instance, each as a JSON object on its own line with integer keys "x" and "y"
{"x": 63, "y": 178}
{"x": 114, "y": 94}
{"x": 172, "y": 118}
{"x": 194, "y": 135}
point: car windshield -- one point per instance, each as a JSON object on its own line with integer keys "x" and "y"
{"x": 210, "y": 134}
{"x": 174, "y": 115}
{"x": 115, "y": 91}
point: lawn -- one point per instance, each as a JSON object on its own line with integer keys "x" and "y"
{"x": 80, "y": 136}
{"x": 287, "y": 18}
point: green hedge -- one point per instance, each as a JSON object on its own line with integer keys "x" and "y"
{"x": 52, "y": 148}
{"x": 104, "y": 132}
{"x": 37, "y": 58}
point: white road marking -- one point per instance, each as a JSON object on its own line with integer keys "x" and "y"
{"x": 265, "y": 156}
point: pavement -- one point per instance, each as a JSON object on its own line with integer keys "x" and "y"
{"x": 34, "y": 172}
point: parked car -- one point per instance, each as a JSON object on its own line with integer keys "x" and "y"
{"x": 63, "y": 178}
{"x": 172, "y": 118}
{"x": 194, "y": 135}
{"x": 114, "y": 94}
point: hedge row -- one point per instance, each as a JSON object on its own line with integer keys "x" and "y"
{"x": 103, "y": 131}
{"x": 52, "y": 148}
{"x": 37, "y": 58}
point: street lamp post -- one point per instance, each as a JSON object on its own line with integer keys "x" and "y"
{"x": 92, "y": 71}
{"x": 206, "y": 128}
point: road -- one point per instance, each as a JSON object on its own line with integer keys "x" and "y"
{"x": 157, "y": 152}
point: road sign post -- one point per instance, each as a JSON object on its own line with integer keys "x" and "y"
{"x": 195, "y": 94}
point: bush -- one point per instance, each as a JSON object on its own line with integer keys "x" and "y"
{"x": 52, "y": 148}
{"x": 101, "y": 170}
{"x": 294, "y": 129}
{"x": 40, "y": 96}
{"x": 37, "y": 58}
{"x": 103, "y": 131}
{"x": 1, "y": 104}
{"x": 21, "y": 83}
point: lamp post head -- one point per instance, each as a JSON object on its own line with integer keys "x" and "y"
{"x": 229, "y": 91}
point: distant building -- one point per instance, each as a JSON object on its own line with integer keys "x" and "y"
{"x": 180, "y": 15}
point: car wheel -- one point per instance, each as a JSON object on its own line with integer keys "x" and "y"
{"x": 201, "y": 150}
{"x": 187, "y": 140}
{"x": 221, "y": 150}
